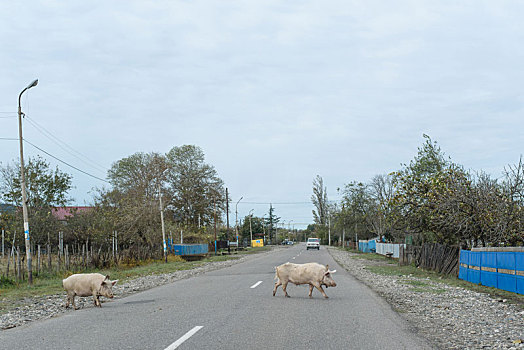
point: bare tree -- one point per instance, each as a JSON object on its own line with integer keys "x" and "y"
{"x": 320, "y": 201}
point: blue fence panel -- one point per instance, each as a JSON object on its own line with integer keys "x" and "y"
{"x": 506, "y": 271}
{"x": 190, "y": 249}
{"x": 464, "y": 260}
{"x": 372, "y": 245}
{"x": 519, "y": 266}
{"x": 363, "y": 247}
{"x": 474, "y": 267}
{"x": 488, "y": 272}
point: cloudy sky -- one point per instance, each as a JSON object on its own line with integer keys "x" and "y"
{"x": 274, "y": 92}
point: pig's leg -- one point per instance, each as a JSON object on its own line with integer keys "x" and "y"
{"x": 319, "y": 287}
{"x": 68, "y": 299}
{"x": 310, "y": 290}
{"x": 284, "y": 287}
{"x": 95, "y": 299}
{"x": 277, "y": 283}
{"x": 73, "y": 301}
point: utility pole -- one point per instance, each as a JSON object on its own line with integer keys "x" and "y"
{"x": 329, "y": 230}
{"x": 215, "y": 215}
{"x": 162, "y": 219}
{"x": 227, "y": 214}
{"x": 24, "y": 194}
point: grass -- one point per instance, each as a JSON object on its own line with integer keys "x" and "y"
{"x": 391, "y": 268}
{"x": 12, "y": 294}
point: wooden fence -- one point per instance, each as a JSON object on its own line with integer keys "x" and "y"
{"x": 432, "y": 256}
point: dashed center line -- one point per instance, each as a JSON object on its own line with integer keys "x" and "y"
{"x": 184, "y": 338}
{"x": 256, "y": 284}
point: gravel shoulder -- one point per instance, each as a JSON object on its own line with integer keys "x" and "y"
{"x": 39, "y": 308}
{"x": 449, "y": 317}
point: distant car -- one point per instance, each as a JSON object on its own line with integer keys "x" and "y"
{"x": 313, "y": 243}
{"x": 290, "y": 242}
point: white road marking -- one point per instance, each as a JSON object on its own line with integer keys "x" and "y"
{"x": 256, "y": 284}
{"x": 184, "y": 338}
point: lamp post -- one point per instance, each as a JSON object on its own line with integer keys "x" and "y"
{"x": 24, "y": 194}
{"x": 264, "y": 229}
{"x": 236, "y": 218}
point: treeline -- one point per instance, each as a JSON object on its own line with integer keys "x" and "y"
{"x": 193, "y": 197}
{"x": 431, "y": 199}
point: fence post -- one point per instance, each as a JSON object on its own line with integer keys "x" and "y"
{"x": 38, "y": 261}
{"x": 19, "y": 270}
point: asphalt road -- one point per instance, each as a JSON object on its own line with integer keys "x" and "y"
{"x": 231, "y": 308}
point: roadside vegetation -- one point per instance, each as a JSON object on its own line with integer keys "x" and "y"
{"x": 431, "y": 199}
{"x": 122, "y": 225}
{"x": 389, "y": 267}
{"x": 11, "y": 294}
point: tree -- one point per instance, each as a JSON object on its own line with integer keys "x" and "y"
{"x": 195, "y": 186}
{"x": 413, "y": 186}
{"x": 319, "y": 199}
{"x": 272, "y": 222}
{"x": 46, "y": 188}
{"x": 133, "y": 202}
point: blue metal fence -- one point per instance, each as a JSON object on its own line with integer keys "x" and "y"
{"x": 367, "y": 246}
{"x": 190, "y": 249}
{"x": 502, "y": 270}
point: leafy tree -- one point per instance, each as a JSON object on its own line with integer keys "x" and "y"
{"x": 133, "y": 202}
{"x": 257, "y": 227}
{"x": 413, "y": 186}
{"x": 46, "y": 188}
{"x": 195, "y": 186}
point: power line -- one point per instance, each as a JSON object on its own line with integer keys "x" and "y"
{"x": 8, "y": 138}
{"x": 72, "y": 166}
{"x": 59, "y": 143}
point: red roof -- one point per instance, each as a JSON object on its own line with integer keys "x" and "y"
{"x": 62, "y": 212}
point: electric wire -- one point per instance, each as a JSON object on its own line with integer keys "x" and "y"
{"x": 61, "y": 144}
{"x": 69, "y": 165}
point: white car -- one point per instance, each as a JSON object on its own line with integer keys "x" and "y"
{"x": 313, "y": 243}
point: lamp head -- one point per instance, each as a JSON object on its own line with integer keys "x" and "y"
{"x": 34, "y": 83}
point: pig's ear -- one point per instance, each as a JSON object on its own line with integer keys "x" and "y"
{"x": 326, "y": 273}
{"x": 107, "y": 278}
{"x": 333, "y": 271}
{"x": 114, "y": 282}
{"x": 327, "y": 267}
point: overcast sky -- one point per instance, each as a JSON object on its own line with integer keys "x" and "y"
{"x": 274, "y": 92}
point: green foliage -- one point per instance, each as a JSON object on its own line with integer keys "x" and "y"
{"x": 271, "y": 223}
{"x": 197, "y": 191}
{"x": 435, "y": 200}
{"x": 46, "y": 188}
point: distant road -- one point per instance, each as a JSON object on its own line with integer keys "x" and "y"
{"x": 231, "y": 308}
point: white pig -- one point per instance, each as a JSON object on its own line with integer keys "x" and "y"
{"x": 86, "y": 284}
{"x": 313, "y": 274}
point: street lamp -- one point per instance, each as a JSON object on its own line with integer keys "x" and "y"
{"x": 236, "y": 218}
{"x": 24, "y": 194}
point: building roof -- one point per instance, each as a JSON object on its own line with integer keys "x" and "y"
{"x": 62, "y": 212}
